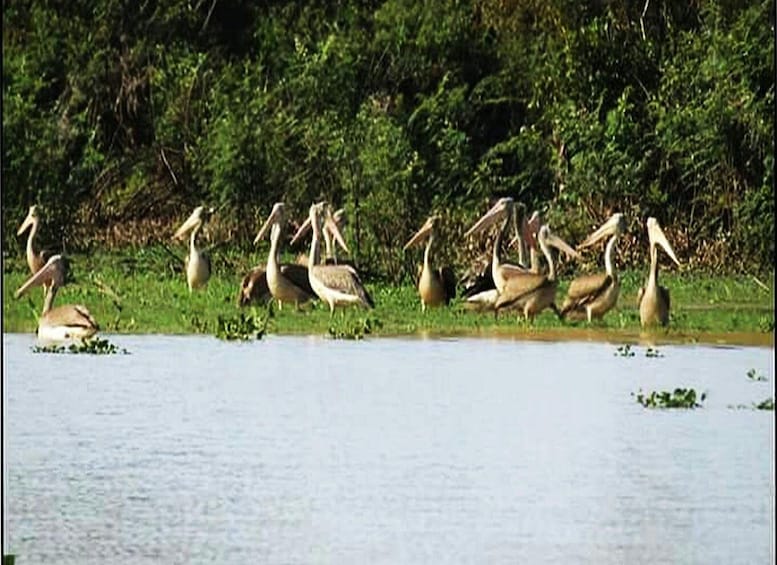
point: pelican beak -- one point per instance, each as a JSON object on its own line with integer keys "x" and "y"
{"x": 52, "y": 270}
{"x": 488, "y": 219}
{"x": 562, "y": 245}
{"x": 656, "y": 235}
{"x": 303, "y": 229}
{"x": 420, "y": 234}
{"x": 190, "y": 223}
{"x": 331, "y": 226}
{"x": 615, "y": 225}
{"x": 27, "y": 221}
{"x": 276, "y": 216}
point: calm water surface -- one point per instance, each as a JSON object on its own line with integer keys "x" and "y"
{"x": 308, "y": 450}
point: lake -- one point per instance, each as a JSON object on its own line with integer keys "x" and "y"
{"x": 312, "y": 450}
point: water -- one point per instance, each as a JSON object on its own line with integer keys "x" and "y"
{"x": 309, "y": 450}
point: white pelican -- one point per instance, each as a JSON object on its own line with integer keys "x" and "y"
{"x": 35, "y": 259}
{"x": 333, "y": 284}
{"x": 533, "y": 292}
{"x": 653, "y": 299}
{"x": 435, "y": 286}
{"x": 70, "y": 321}
{"x": 197, "y": 262}
{"x": 592, "y": 296}
{"x": 287, "y": 283}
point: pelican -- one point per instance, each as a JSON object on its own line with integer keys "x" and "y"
{"x": 500, "y": 272}
{"x": 653, "y": 299}
{"x": 253, "y": 288}
{"x": 333, "y": 284}
{"x": 435, "y": 286}
{"x": 592, "y": 296}
{"x": 483, "y": 294}
{"x": 35, "y": 260}
{"x": 287, "y": 283}
{"x": 533, "y": 292}
{"x": 63, "y": 322}
{"x": 197, "y": 262}
{"x": 334, "y": 221}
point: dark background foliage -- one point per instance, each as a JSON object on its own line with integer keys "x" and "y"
{"x": 120, "y": 116}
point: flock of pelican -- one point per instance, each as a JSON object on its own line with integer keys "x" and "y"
{"x": 527, "y": 287}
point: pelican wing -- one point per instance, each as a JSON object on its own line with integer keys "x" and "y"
{"x": 663, "y": 294}
{"x": 640, "y": 294}
{"x": 298, "y": 274}
{"x": 71, "y": 315}
{"x": 518, "y": 287}
{"x": 588, "y": 287}
{"x": 345, "y": 279}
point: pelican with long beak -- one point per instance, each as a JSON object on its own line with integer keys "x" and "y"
{"x": 483, "y": 293}
{"x": 502, "y": 210}
{"x": 198, "y": 267}
{"x": 333, "y": 284}
{"x": 333, "y": 221}
{"x": 533, "y": 292}
{"x": 287, "y": 283}
{"x": 435, "y": 286}
{"x": 35, "y": 259}
{"x": 592, "y": 296}
{"x": 69, "y": 321}
{"x": 654, "y": 302}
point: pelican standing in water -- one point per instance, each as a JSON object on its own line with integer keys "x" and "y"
{"x": 435, "y": 286}
{"x": 69, "y": 321}
{"x": 533, "y": 292}
{"x": 592, "y": 296}
{"x": 287, "y": 283}
{"x": 333, "y": 284}
{"x": 197, "y": 262}
{"x": 35, "y": 259}
{"x": 653, "y": 299}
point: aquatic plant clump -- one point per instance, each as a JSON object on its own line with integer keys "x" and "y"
{"x": 92, "y": 346}
{"x": 241, "y": 327}
{"x": 680, "y": 398}
{"x": 357, "y": 330}
{"x": 755, "y": 377}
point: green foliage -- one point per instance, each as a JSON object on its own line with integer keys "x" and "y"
{"x": 767, "y": 404}
{"x": 679, "y": 398}
{"x": 130, "y": 112}
{"x": 625, "y": 351}
{"x": 755, "y": 377}
{"x": 91, "y": 346}
{"x": 241, "y": 326}
{"x": 349, "y": 329}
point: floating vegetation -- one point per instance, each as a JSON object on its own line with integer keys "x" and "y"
{"x": 241, "y": 326}
{"x": 755, "y": 377}
{"x": 91, "y": 346}
{"x": 680, "y": 398}
{"x": 625, "y": 351}
{"x": 767, "y": 404}
{"x": 357, "y": 330}
{"x": 651, "y": 352}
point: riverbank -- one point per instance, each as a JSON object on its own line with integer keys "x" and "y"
{"x": 141, "y": 295}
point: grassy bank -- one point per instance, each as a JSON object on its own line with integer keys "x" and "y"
{"x": 145, "y": 292}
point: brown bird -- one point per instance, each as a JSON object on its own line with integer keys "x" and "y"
{"x": 63, "y": 322}
{"x": 592, "y": 296}
{"x": 533, "y": 292}
{"x": 435, "y": 286}
{"x": 654, "y": 302}
{"x": 253, "y": 288}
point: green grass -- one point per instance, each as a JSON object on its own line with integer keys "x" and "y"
{"x": 151, "y": 296}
